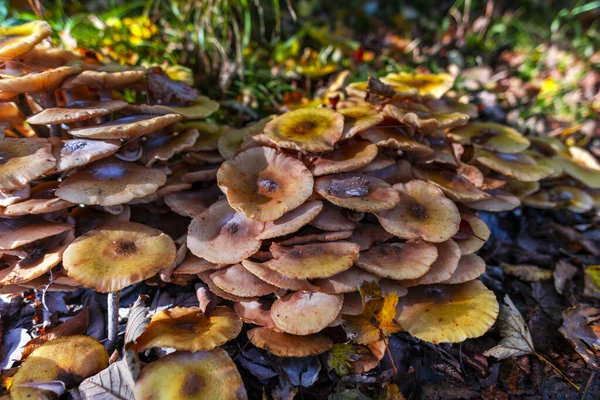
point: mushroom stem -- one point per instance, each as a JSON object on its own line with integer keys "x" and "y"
{"x": 113, "y": 320}
{"x": 49, "y": 101}
{"x": 12, "y": 67}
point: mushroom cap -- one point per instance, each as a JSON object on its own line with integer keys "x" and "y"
{"x": 255, "y": 312}
{"x": 573, "y": 198}
{"x": 200, "y": 108}
{"x": 491, "y": 136}
{"x": 284, "y": 344}
{"x": 127, "y": 128}
{"x": 17, "y": 40}
{"x": 388, "y": 286}
{"x": 230, "y": 142}
{"x": 69, "y": 359}
{"x": 423, "y": 212}
{"x": 306, "y": 129}
{"x": 76, "y": 111}
{"x": 332, "y": 218}
{"x": 399, "y": 172}
{"x": 517, "y": 166}
{"x": 22, "y": 160}
{"x": 109, "y": 182}
{"x": 238, "y": 281}
{"x": 469, "y": 267}
{"x": 8, "y": 197}
{"x": 105, "y": 79}
{"x": 42, "y": 201}
{"x": 447, "y": 313}
{"x": 521, "y": 189}
{"x": 475, "y": 235}
{"x": 442, "y": 269}
{"x": 224, "y": 236}
{"x": 201, "y": 173}
{"x": 117, "y": 255}
{"x": 37, "y": 82}
{"x": 305, "y": 313}
{"x": 189, "y": 329}
{"x": 455, "y": 186}
{"x": 205, "y": 277}
{"x": 17, "y": 232}
{"x": 426, "y": 120}
{"x": 399, "y": 261}
{"x": 292, "y": 221}
{"x": 275, "y": 278}
{"x": 435, "y": 85}
{"x": 583, "y": 173}
{"x": 264, "y": 184}
{"x": 358, "y": 192}
{"x": 498, "y": 202}
{"x": 42, "y": 57}
{"x": 191, "y": 376}
{"x": 359, "y": 118}
{"x": 367, "y": 235}
{"x": 191, "y": 203}
{"x": 194, "y": 265}
{"x": 345, "y": 282}
{"x": 396, "y": 138}
{"x": 75, "y": 153}
{"x": 163, "y": 146}
{"x": 346, "y": 158}
{"x": 310, "y": 261}
{"x": 209, "y": 134}
{"x": 325, "y": 236}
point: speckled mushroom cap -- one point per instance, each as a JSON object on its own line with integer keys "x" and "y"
{"x": 191, "y": 376}
{"x": 395, "y": 137}
{"x": 117, "y": 255}
{"x": 275, "y": 278}
{"x": 399, "y": 261}
{"x": 22, "y": 160}
{"x": 305, "y": 313}
{"x": 73, "y": 153}
{"x": 470, "y": 267}
{"x": 17, "y": 232}
{"x": 284, "y": 344}
{"x": 346, "y": 281}
{"x": 491, "y": 136}
{"x": 442, "y": 269}
{"x": 17, "y": 40}
{"x": 127, "y": 128}
{"x": 163, "y": 146}
{"x": 76, "y": 111}
{"x": 426, "y": 120}
{"x": 255, "y": 312}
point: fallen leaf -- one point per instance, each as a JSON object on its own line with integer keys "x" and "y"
{"x": 516, "y": 338}
{"x": 342, "y": 355}
{"x": 527, "y": 273}
{"x": 591, "y": 286}
{"x": 378, "y": 91}
{"x": 564, "y": 271}
{"x": 303, "y": 371}
{"x": 13, "y": 344}
{"x": 581, "y": 327}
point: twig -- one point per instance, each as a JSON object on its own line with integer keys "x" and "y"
{"x": 558, "y": 371}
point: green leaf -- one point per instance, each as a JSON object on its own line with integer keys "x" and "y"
{"x": 342, "y": 355}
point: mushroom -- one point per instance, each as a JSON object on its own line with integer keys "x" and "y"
{"x": 442, "y": 269}
{"x": 399, "y": 261}
{"x": 23, "y": 160}
{"x": 42, "y": 201}
{"x": 18, "y": 40}
{"x": 517, "y": 166}
{"x": 275, "y": 278}
{"x": 490, "y": 136}
{"x": 305, "y": 313}
{"x": 359, "y": 118}
{"x": 435, "y": 85}
{"x": 470, "y": 267}
{"x": 357, "y": 192}
{"x": 76, "y": 111}
{"x": 201, "y": 107}
{"x": 348, "y": 157}
{"x": 127, "y": 128}
{"x": 79, "y": 152}
{"x": 238, "y": 281}
{"x": 287, "y": 345}
{"x": 292, "y": 221}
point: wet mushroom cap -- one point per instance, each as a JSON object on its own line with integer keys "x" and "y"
{"x": 191, "y": 376}
{"x": 117, "y": 255}
{"x": 357, "y": 192}
{"x": 491, "y": 136}
{"x": 399, "y": 261}
{"x": 127, "y": 128}
{"x": 305, "y": 313}
{"x": 348, "y": 157}
{"x": 283, "y": 344}
{"x": 292, "y": 221}
{"x": 447, "y": 313}
{"x": 264, "y": 184}
{"x": 22, "y": 160}
{"x": 76, "y": 111}
{"x": 75, "y": 153}
{"x": 17, "y": 40}
{"x": 306, "y": 129}
{"x": 189, "y": 329}
{"x": 238, "y": 281}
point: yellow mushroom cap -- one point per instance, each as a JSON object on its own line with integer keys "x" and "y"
{"x": 17, "y": 40}
{"x": 582, "y": 172}
{"x": 76, "y": 111}
{"x": 517, "y": 166}
{"x": 423, "y": 212}
{"x": 284, "y": 344}
{"x": 305, "y": 313}
{"x": 306, "y": 129}
{"x": 317, "y": 260}
{"x": 348, "y": 157}
{"x": 189, "y": 329}
{"x": 275, "y": 278}
{"x": 345, "y": 281}
{"x": 69, "y": 359}
{"x": 78, "y": 152}
{"x": 37, "y": 82}
{"x": 17, "y": 232}
{"x": 435, "y": 85}
{"x": 292, "y": 221}
{"x": 117, "y": 255}
{"x": 491, "y": 136}
{"x": 22, "y": 160}
{"x": 475, "y": 237}
{"x": 224, "y": 236}
{"x": 442, "y": 269}
{"x": 127, "y": 128}
{"x": 191, "y": 376}
{"x": 200, "y": 108}
{"x": 455, "y": 186}
{"x": 572, "y": 198}
{"x": 399, "y": 261}
{"x": 238, "y": 281}
{"x": 264, "y": 184}
{"x": 469, "y": 267}
{"x": 447, "y": 313}
{"x": 110, "y": 182}
{"x": 359, "y": 118}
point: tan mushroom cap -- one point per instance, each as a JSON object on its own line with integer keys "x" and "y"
{"x": 17, "y": 40}
{"x": 348, "y": 157}
{"x": 238, "y": 281}
{"x": 194, "y": 265}
{"x": 423, "y": 212}
{"x": 42, "y": 57}
{"x": 388, "y": 286}
{"x": 469, "y": 267}
{"x": 69, "y": 359}
{"x": 381, "y": 161}
{"x": 448, "y": 313}
{"x": 17, "y": 232}
{"x": 127, "y": 128}
{"x": 359, "y": 118}
{"x": 105, "y": 79}
{"x": 275, "y": 278}
{"x": 255, "y": 312}
{"x": 306, "y": 129}
{"x": 76, "y": 111}
{"x": 284, "y": 344}
{"x": 189, "y": 329}
{"x": 367, "y": 235}
{"x": 345, "y": 281}
{"x": 163, "y": 146}
{"x": 117, "y": 255}
{"x": 583, "y": 173}
{"x": 205, "y": 277}
{"x": 310, "y": 261}
{"x": 305, "y": 313}
{"x": 358, "y": 192}
{"x": 325, "y": 236}
{"x": 8, "y": 197}
{"x": 173, "y": 185}
{"x": 264, "y": 184}
{"x": 394, "y": 137}
{"x": 209, "y": 134}
{"x": 491, "y": 136}
{"x": 332, "y": 218}
{"x": 474, "y": 236}
{"x": 230, "y": 142}
{"x": 435, "y": 85}
{"x": 224, "y": 236}
{"x": 37, "y": 82}
{"x": 517, "y": 166}
{"x": 22, "y": 160}
{"x": 442, "y": 269}
{"x": 455, "y": 186}
{"x": 427, "y": 120}
{"x": 399, "y": 261}
{"x": 193, "y": 202}
{"x": 399, "y": 172}
{"x": 110, "y": 182}
{"x": 75, "y": 153}
{"x": 292, "y": 221}
{"x": 191, "y": 376}
{"x": 42, "y": 201}
{"x": 200, "y": 108}
{"x": 201, "y": 173}
{"x": 498, "y": 202}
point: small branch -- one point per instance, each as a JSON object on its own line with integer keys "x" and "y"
{"x": 558, "y": 371}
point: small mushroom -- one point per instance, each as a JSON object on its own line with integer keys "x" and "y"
{"x": 305, "y": 313}
{"x": 399, "y": 261}
{"x": 76, "y": 153}
{"x": 284, "y": 344}
{"x": 435, "y": 85}
{"x": 292, "y": 221}
{"x": 23, "y": 160}
{"x": 348, "y": 157}
{"x": 127, "y": 128}
{"x": 238, "y": 281}
{"x": 517, "y": 166}
{"x": 76, "y": 111}
{"x": 470, "y": 267}
{"x": 490, "y": 136}
{"x": 275, "y": 278}
{"x": 443, "y": 267}
{"x": 345, "y": 281}
{"x": 359, "y": 118}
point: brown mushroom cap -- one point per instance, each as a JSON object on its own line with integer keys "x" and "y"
{"x": 310, "y": 261}
{"x": 348, "y": 157}
{"x": 109, "y": 182}
{"x": 105, "y": 79}
{"x": 442, "y": 269}
{"x": 332, "y": 218}
{"x": 359, "y": 118}
{"x": 194, "y": 265}
{"x": 491, "y": 136}
{"x": 357, "y": 192}
{"x": 8, "y": 197}
{"x": 17, "y": 40}
{"x": 191, "y": 376}
{"x": 306, "y": 129}
{"x": 292, "y": 221}
{"x": 426, "y": 120}
{"x": 396, "y": 138}
{"x": 304, "y": 313}
{"x": 238, "y": 281}
{"x": 517, "y": 166}
{"x": 264, "y": 184}
{"x": 200, "y": 108}
{"x": 472, "y": 237}
{"x": 423, "y": 212}
{"x": 284, "y": 344}
{"x": 255, "y": 312}
{"x": 191, "y": 203}
{"x": 127, "y": 128}
{"x": 188, "y": 328}
{"x": 118, "y": 255}
{"x": 469, "y": 267}
{"x": 224, "y": 236}
{"x": 367, "y": 235}
{"x": 37, "y": 82}
{"x": 399, "y": 261}
{"x": 345, "y": 281}
{"x": 456, "y": 187}
{"x": 17, "y": 232}
{"x": 163, "y": 146}
{"x": 205, "y": 277}
{"x": 498, "y": 202}
{"x": 42, "y": 201}
{"x": 325, "y": 236}
{"x": 275, "y": 278}
{"x": 448, "y": 313}
{"x": 22, "y": 160}
{"x": 76, "y": 111}
{"x": 79, "y": 152}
